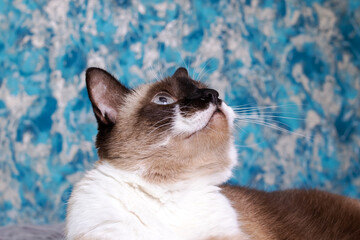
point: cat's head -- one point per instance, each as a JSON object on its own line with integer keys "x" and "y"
{"x": 168, "y": 131}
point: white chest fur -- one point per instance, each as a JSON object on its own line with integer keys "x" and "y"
{"x": 112, "y": 204}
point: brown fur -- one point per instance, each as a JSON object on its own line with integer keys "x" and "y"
{"x": 295, "y": 214}
{"x": 132, "y": 128}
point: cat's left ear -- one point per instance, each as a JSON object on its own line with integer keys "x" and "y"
{"x": 106, "y": 94}
{"x": 181, "y": 72}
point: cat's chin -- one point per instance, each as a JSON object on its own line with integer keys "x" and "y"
{"x": 216, "y": 120}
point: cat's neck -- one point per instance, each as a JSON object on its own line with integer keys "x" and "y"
{"x": 134, "y": 179}
{"x": 171, "y": 207}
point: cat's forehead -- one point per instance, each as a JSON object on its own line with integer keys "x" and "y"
{"x": 176, "y": 86}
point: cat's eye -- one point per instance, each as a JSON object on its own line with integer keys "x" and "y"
{"x": 163, "y": 98}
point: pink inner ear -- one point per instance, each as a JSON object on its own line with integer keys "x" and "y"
{"x": 105, "y": 101}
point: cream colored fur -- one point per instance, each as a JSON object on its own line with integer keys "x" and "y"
{"x": 113, "y": 204}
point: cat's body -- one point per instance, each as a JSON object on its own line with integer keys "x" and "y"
{"x": 164, "y": 149}
{"x": 295, "y": 214}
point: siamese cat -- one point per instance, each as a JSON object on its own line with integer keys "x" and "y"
{"x": 165, "y": 151}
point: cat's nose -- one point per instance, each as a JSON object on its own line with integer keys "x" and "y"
{"x": 211, "y": 94}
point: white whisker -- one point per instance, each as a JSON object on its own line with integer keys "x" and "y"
{"x": 239, "y": 109}
{"x": 154, "y": 72}
{"x": 183, "y": 60}
{"x": 261, "y": 116}
{"x": 273, "y": 126}
{"x": 206, "y": 64}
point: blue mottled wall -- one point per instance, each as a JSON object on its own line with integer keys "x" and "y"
{"x": 301, "y": 56}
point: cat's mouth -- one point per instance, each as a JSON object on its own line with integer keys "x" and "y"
{"x": 214, "y": 117}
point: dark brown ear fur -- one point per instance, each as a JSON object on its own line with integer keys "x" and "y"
{"x": 105, "y": 93}
{"x": 107, "y": 96}
{"x": 181, "y": 72}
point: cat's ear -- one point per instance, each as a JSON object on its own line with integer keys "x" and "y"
{"x": 181, "y": 72}
{"x": 106, "y": 94}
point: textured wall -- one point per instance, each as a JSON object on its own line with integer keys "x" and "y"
{"x": 300, "y": 57}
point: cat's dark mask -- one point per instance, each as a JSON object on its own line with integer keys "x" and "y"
{"x": 107, "y": 94}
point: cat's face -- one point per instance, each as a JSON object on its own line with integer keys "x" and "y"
{"x": 172, "y": 130}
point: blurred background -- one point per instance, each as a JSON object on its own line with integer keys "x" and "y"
{"x": 290, "y": 65}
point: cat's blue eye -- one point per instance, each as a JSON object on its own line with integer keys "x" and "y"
{"x": 163, "y": 99}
